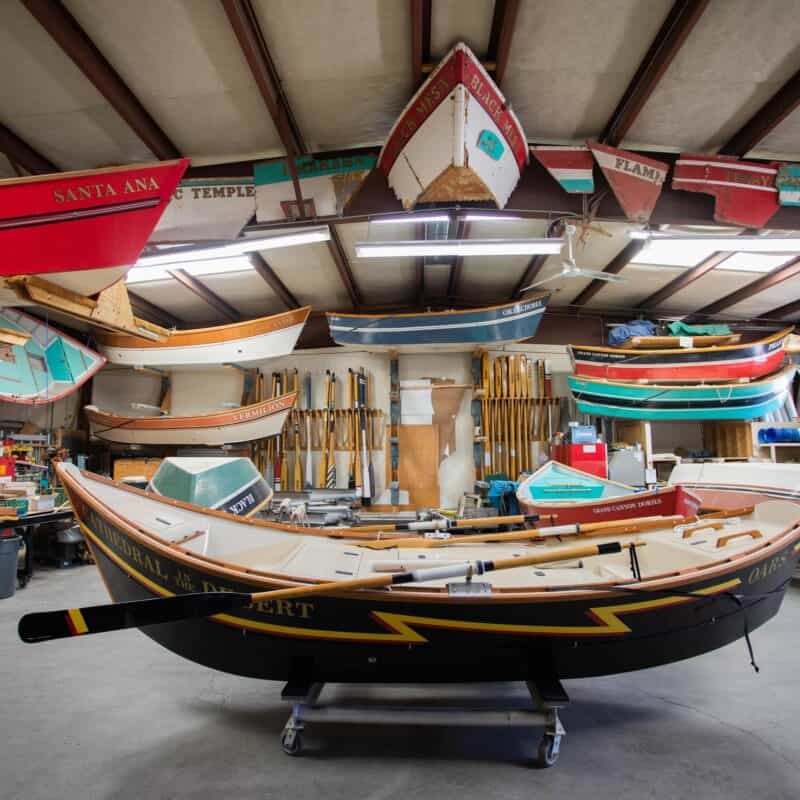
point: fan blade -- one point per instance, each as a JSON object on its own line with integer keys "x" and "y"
{"x": 597, "y": 275}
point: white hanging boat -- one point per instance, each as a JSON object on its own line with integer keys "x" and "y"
{"x": 245, "y": 424}
{"x": 238, "y": 343}
{"x": 457, "y": 140}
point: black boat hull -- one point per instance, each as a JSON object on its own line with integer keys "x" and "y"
{"x": 373, "y": 637}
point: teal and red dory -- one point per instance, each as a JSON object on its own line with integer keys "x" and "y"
{"x": 38, "y": 364}
{"x": 657, "y": 402}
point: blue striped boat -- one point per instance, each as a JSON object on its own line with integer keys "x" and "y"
{"x": 45, "y": 365}
{"x": 555, "y": 482}
{"x": 510, "y": 322}
{"x": 663, "y": 402}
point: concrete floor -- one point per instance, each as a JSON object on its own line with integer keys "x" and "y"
{"x": 115, "y": 716}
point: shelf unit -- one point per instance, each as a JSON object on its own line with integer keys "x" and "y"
{"x": 778, "y": 451}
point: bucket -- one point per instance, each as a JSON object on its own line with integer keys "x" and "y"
{"x": 9, "y": 547}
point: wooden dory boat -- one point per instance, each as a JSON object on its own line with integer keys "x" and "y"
{"x": 510, "y": 322}
{"x": 93, "y": 223}
{"x": 678, "y": 402}
{"x": 245, "y": 424}
{"x": 568, "y": 495}
{"x": 44, "y": 365}
{"x": 457, "y": 140}
{"x": 720, "y": 363}
{"x": 239, "y": 343}
{"x": 697, "y": 583}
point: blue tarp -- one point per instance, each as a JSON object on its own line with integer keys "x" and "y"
{"x": 636, "y": 327}
{"x": 503, "y": 496}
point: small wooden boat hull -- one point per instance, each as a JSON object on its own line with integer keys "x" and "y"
{"x": 739, "y": 484}
{"x": 48, "y": 366}
{"x": 239, "y": 343}
{"x": 428, "y": 636}
{"x": 678, "y": 402}
{"x": 511, "y": 322}
{"x": 457, "y": 140}
{"x": 725, "y": 362}
{"x": 76, "y": 221}
{"x": 246, "y": 424}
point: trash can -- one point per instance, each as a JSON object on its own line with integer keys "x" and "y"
{"x": 9, "y": 547}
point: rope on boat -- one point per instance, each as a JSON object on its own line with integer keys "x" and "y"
{"x": 736, "y": 597}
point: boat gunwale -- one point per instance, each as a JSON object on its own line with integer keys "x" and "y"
{"x": 605, "y": 590}
{"x": 784, "y": 333}
{"x": 51, "y": 176}
{"x": 128, "y": 342}
{"x": 426, "y": 314}
{"x": 100, "y": 358}
{"x": 764, "y": 379}
{"x": 97, "y": 415}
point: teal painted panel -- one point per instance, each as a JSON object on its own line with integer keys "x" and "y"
{"x": 57, "y": 362}
{"x": 490, "y": 143}
{"x": 308, "y": 167}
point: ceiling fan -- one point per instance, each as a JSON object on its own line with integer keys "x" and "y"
{"x": 569, "y": 269}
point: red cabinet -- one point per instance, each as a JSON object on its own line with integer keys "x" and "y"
{"x": 592, "y": 458}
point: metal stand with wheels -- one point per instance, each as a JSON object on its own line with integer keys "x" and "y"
{"x": 548, "y": 698}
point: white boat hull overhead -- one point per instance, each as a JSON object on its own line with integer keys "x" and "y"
{"x": 457, "y": 140}
{"x": 241, "y": 343}
{"x": 246, "y": 424}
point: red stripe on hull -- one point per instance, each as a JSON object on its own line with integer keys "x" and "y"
{"x": 88, "y": 220}
{"x": 693, "y": 372}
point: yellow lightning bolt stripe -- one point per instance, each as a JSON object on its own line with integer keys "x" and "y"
{"x": 400, "y": 625}
{"x": 78, "y": 622}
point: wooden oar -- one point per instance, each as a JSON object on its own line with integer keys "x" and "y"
{"x": 450, "y": 524}
{"x": 47, "y": 625}
{"x": 615, "y": 528}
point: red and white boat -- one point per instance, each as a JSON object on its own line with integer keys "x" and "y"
{"x": 665, "y": 365}
{"x": 563, "y": 495}
{"x": 457, "y": 140}
{"x": 745, "y": 191}
{"x": 83, "y": 230}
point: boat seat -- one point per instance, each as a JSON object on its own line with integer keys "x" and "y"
{"x": 616, "y": 571}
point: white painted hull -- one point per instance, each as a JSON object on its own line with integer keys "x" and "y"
{"x": 458, "y": 121}
{"x": 205, "y": 437}
{"x": 238, "y": 351}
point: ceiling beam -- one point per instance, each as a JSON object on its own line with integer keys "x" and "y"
{"x": 789, "y": 310}
{"x": 23, "y": 154}
{"x": 779, "y": 275}
{"x": 420, "y": 39}
{"x": 247, "y": 30}
{"x": 503, "y": 23}
{"x": 343, "y": 267}
{"x": 204, "y": 293}
{"x": 672, "y": 35}
{"x": 155, "y": 313}
{"x": 615, "y": 266}
{"x": 529, "y": 276}
{"x": 769, "y": 116}
{"x": 270, "y": 277}
{"x": 68, "y": 34}
{"x": 683, "y": 280}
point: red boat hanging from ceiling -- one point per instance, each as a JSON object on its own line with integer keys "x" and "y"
{"x": 636, "y": 180}
{"x": 745, "y": 191}
{"x": 98, "y": 220}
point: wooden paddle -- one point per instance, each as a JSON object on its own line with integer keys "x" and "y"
{"x": 614, "y": 528}
{"x": 449, "y": 524}
{"x": 47, "y": 625}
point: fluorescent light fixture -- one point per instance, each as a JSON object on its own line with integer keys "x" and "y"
{"x": 478, "y": 217}
{"x": 460, "y": 247}
{"x": 206, "y": 266}
{"x": 411, "y": 218}
{"x": 301, "y": 236}
{"x": 743, "y": 244}
{"x": 753, "y": 262}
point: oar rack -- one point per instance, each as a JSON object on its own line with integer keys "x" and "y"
{"x": 324, "y": 430}
{"x": 513, "y": 411}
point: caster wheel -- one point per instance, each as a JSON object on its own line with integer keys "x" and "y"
{"x": 547, "y": 754}
{"x": 292, "y": 743}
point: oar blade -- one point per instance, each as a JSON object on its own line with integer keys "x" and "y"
{"x": 46, "y": 625}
